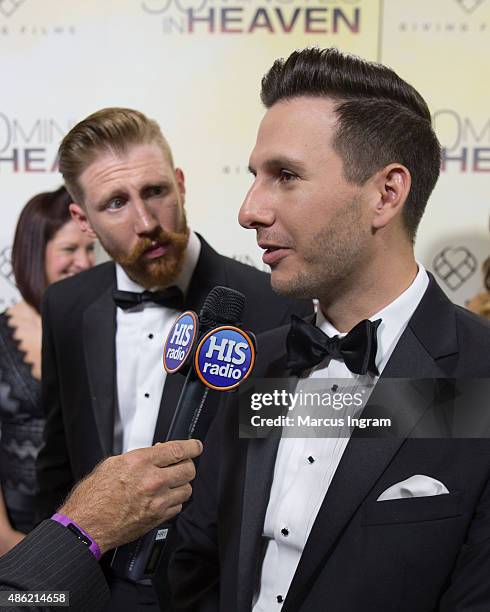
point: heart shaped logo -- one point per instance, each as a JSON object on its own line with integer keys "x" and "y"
{"x": 454, "y": 266}
{"x": 8, "y": 7}
{"x": 469, "y": 6}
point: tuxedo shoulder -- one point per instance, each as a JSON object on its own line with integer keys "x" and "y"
{"x": 271, "y": 351}
{"x": 274, "y": 337}
{"x": 83, "y": 287}
{"x": 472, "y": 328}
{"x": 244, "y": 273}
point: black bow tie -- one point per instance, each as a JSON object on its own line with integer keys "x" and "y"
{"x": 172, "y": 297}
{"x": 307, "y": 346}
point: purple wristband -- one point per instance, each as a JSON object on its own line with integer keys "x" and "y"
{"x": 67, "y": 522}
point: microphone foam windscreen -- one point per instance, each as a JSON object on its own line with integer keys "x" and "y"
{"x": 223, "y": 306}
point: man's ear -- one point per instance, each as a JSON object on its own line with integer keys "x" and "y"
{"x": 392, "y": 184}
{"x": 80, "y": 217}
{"x": 179, "y": 175}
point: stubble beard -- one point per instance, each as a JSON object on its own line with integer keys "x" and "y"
{"x": 335, "y": 256}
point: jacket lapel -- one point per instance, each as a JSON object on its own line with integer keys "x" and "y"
{"x": 210, "y": 272}
{"x": 261, "y": 456}
{"x": 99, "y": 329}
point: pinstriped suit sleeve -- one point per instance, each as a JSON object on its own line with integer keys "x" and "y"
{"x": 51, "y": 558}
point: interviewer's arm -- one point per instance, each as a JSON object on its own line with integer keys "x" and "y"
{"x": 122, "y": 499}
{"x": 50, "y": 558}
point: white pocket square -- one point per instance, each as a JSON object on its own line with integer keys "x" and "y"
{"x": 415, "y": 486}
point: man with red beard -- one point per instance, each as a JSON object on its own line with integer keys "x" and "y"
{"x": 104, "y": 388}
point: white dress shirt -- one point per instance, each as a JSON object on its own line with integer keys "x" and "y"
{"x": 140, "y": 335}
{"x": 305, "y": 467}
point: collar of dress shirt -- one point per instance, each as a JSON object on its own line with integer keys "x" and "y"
{"x": 394, "y": 318}
{"x": 183, "y": 280}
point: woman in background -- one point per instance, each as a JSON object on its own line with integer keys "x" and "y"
{"x": 48, "y": 246}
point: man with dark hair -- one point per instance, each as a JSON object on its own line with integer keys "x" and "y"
{"x": 380, "y": 118}
{"x": 104, "y": 387}
{"x": 344, "y": 162}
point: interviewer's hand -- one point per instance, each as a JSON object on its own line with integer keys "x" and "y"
{"x": 127, "y": 495}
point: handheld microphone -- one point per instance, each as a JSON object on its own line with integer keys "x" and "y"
{"x": 223, "y": 306}
{"x": 219, "y": 337}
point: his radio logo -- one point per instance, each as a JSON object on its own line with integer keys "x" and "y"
{"x": 224, "y": 358}
{"x": 180, "y": 341}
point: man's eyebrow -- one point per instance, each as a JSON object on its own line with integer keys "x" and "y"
{"x": 161, "y": 184}
{"x": 281, "y": 162}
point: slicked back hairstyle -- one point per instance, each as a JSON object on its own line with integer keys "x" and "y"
{"x": 40, "y": 219}
{"x": 381, "y": 118}
{"x": 107, "y": 130}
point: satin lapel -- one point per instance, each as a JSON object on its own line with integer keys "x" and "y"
{"x": 209, "y": 273}
{"x": 259, "y": 472}
{"x": 420, "y": 353}
{"x": 99, "y": 329}
{"x": 261, "y": 456}
{"x": 170, "y": 397}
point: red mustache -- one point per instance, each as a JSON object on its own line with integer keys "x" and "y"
{"x": 161, "y": 237}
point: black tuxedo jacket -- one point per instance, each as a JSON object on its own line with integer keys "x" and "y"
{"x": 79, "y": 363}
{"x": 405, "y": 555}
